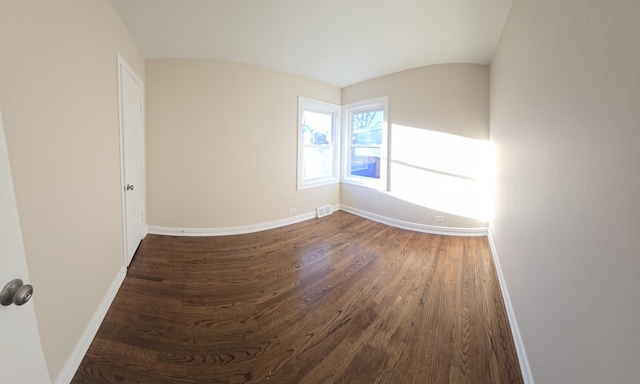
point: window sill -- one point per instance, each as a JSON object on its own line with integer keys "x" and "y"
{"x": 318, "y": 183}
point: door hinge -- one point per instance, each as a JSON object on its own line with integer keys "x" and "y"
{"x": 140, "y": 105}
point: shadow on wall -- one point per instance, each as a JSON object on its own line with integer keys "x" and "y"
{"x": 441, "y": 171}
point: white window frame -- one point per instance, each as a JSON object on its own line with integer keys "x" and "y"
{"x": 380, "y": 103}
{"x": 312, "y": 105}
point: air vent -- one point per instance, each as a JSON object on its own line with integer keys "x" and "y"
{"x": 324, "y": 211}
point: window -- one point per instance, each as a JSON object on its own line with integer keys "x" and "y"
{"x": 365, "y": 143}
{"x": 318, "y": 143}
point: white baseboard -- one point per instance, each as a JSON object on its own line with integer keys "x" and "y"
{"x": 436, "y": 230}
{"x": 240, "y": 230}
{"x": 73, "y": 362}
{"x": 515, "y": 331}
{"x": 224, "y": 231}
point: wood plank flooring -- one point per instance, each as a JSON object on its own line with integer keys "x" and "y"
{"x": 334, "y": 300}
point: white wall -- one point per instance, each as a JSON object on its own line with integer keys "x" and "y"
{"x": 438, "y": 116}
{"x": 221, "y": 141}
{"x": 221, "y": 144}
{"x": 58, "y": 94}
{"x": 565, "y": 120}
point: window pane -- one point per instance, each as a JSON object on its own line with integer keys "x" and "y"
{"x": 316, "y": 128}
{"x": 318, "y": 162}
{"x": 367, "y": 127}
{"x": 365, "y": 162}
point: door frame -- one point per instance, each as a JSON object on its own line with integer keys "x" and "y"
{"x": 123, "y": 66}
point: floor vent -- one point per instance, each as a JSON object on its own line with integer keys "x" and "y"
{"x": 324, "y": 211}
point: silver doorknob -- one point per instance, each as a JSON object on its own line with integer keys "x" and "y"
{"x": 129, "y": 187}
{"x": 16, "y": 292}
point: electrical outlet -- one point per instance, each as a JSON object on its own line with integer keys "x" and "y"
{"x": 292, "y": 210}
{"x": 439, "y": 219}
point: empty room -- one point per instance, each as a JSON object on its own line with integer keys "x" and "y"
{"x": 301, "y": 191}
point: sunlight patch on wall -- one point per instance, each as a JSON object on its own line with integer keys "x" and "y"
{"x": 440, "y": 171}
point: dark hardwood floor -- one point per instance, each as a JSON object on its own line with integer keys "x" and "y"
{"x": 334, "y": 300}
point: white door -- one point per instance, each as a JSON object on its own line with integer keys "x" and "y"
{"x": 21, "y": 357}
{"x": 131, "y": 134}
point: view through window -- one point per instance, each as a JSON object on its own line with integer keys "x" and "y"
{"x": 318, "y": 132}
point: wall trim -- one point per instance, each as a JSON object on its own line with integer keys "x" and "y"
{"x": 244, "y": 229}
{"x": 435, "y": 230}
{"x": 239, "y": 230}
{"x": 73, "y": 362}
{"x": 515, "y": 331}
